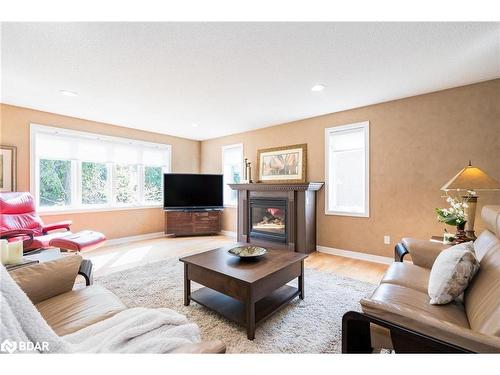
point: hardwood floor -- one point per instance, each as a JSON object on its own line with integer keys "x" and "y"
{"x": 353, "y": 268}
{"x": 115, "y": 258}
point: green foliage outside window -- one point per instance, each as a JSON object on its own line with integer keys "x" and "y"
{"x": 126, "y": 188}
{"x": 94, "y": 180}
{"x": 152, "y": 184}
{"x": 55, "y": 182}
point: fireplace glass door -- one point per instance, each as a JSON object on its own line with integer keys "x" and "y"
{"x": 268, "y": 219}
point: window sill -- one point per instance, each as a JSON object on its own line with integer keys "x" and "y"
{"x": 94, "y": 209}
{"x": 352, "y": 214}
{"x": 230, "y": 206}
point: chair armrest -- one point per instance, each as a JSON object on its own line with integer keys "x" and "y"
{"x": 205, "y": 347}
{"x": 85, "y": 270}
{"x": 23, "y": 233}
{"x": 54, "y": 226}
{"x": 423, "y": 253}
{"x": 45, "y": 280}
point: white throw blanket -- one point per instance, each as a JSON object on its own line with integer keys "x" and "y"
{"x": 137, "y": 330}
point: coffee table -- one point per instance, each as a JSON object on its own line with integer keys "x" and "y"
{"x": 243, "y": 291}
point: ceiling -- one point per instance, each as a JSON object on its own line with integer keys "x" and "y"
{"x": 205, "y": 80}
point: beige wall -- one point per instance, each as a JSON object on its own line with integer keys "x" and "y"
{"x": 416, "y": 145}
{"x": 14, "y": 130}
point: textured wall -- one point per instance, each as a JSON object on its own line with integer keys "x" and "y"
{"x": 14, "y": 131}
{"x": 416, "y": 145}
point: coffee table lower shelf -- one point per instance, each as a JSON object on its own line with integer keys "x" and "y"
{"x": 234, "y": 310}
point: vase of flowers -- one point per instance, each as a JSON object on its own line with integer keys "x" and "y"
{"x": 455, "y": 215}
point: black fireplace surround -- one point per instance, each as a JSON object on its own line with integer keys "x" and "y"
{"x": 268, "y": 219}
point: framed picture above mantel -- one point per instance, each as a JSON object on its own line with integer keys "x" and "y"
{"x": 285, "y": 164}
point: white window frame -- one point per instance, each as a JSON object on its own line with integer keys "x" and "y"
{"x": 75, "y": 206}
{"x": 223, "y": 149}
{"x": 365, "y": 125}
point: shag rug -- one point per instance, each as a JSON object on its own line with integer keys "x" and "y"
{"x": 312, "y": 325}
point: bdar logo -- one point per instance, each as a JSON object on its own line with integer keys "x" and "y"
{"x": 8, "y": 346}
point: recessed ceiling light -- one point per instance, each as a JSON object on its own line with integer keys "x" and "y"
{"x": 194, "y": 125}
{"x": 318, "y": 87}
{"x": 68, "y": 93}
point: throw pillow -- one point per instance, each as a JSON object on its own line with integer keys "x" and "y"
{"x": 451, "y": 273}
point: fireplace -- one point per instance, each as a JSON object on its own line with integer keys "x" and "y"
{"x": 268, "y": 219}
{"x": 278, "y": 216}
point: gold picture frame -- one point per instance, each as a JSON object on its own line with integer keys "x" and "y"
{"x": 279, "y": 165}
{"x": 8, "y": 168}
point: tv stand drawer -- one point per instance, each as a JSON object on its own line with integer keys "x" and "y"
{"x": 202, "y": 217}
{"x": 185, "y": 223}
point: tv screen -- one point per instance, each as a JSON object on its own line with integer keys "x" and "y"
{"x": 181, "y": 191}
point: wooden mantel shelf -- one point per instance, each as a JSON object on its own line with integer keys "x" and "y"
{"x": 261, "y": 186}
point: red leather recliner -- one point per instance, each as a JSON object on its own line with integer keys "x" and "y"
{"x": 19, "y": 220}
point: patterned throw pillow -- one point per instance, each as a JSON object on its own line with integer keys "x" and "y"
{"x": 451, "y": 273}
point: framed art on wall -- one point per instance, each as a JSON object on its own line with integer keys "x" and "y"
{"x": 8, "y": 168}
{"x": 285, "y": 164}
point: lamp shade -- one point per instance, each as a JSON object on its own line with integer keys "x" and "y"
{"x": 471, "y": 178}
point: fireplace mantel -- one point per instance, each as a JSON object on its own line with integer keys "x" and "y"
{"x": 262, "y": 186}
{"x": 299, "y": 202}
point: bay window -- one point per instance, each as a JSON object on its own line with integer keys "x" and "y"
{"x": 73, "y": 170}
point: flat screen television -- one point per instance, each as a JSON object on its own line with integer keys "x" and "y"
{"x": 192, "y": 191}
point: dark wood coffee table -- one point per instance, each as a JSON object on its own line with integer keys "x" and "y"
{"x": 243, "y": 291}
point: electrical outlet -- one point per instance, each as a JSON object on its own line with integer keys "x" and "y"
{"x": 387, "y": 240}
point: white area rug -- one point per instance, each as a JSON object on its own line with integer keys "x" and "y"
{"x": 309, "y": 326}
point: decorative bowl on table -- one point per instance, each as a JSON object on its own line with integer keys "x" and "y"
{"x": 248, "y": 251}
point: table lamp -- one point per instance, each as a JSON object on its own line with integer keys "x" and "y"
{"x": 471, "y": 179}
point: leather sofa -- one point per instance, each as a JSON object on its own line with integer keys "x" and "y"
{"x": 51, "y": 288}
{"x": 398, "y": 314}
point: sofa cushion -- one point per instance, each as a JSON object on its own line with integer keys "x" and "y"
{"x": 74, "y": 310}
{"x": 482, "y": 297}
{"x": 491, "y": 218}
{"x": 410, "y": 309}
{"x": 423, "y": 252}
{"x": 406, "y": 305}
{"x": 47, "y": 279}
{"x": 452, "y": 272}
{"x": 407, "y": 275}
{"x": 484, "y": 243}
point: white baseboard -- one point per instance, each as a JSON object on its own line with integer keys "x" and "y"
{"x": 140, "y": 237}
{"x": 355, "y": 255}
{"x": 228, "y": 233}
{"x": 321, "y": 249}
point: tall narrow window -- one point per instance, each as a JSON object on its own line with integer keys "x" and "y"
{"x": 232, "y": 166}
{"x": 347, "y": 170}
{"x": 74, "y": 170}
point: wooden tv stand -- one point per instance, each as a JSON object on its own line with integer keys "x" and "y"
{"x": 192, "y": 222}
